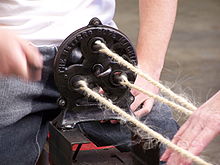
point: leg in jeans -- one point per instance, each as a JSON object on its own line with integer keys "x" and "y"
{"x": 159, "y": 119}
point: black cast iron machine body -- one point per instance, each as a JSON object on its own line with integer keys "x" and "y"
{"x": 78, "y": 58}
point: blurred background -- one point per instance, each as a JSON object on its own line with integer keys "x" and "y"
{"x": 192, "y": 64}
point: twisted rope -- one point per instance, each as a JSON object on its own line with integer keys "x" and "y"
{"x": 96, "y": 96}
{"x": 182, "y": 101}
{"x": 159, "y": 98}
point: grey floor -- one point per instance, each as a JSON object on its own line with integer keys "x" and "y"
{"x": 192, "y": 65}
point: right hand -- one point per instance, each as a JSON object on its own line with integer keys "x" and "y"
{"x": 18, "y": 57}
{"x": 197, "y": 132}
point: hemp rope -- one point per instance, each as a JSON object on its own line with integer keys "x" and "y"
{"x": 159, "y": 98}
{"x": 136, "y": 122}
{"x": 104, "y": 49}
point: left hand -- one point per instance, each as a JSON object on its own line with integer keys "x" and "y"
{"x": 142, "y": 101}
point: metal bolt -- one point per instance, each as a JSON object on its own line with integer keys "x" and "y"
{"x": 97, "y": 69}
{"x": 62, "y": 102}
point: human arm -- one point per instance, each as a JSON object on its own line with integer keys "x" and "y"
{"x": 197, "y": 132}
{"x": 18, "y": 57}
{"x": 156, "y": 24}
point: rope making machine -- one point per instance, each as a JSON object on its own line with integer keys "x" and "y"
{"x": 78, "y": 58}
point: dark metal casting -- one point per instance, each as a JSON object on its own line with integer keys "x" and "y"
{"x": 77, "y": 59}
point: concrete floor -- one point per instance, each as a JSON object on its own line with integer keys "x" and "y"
{"x": 192, "y": 65}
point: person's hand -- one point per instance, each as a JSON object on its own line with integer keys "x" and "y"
{"x": 18, "y": 57}
{"x": 197, "y": 132}
{"x": 142, "y": 104}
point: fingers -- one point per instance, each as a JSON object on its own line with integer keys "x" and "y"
{"x": 34, "y": 74}
{"x": 142, "y": 99}
{"x": 182, "y": 140}
{"x": 176, "y": 138}
{"x": 175, "y": 159}
{"x": 202, "y": 140}
{"x": 139, "y": 99}
{"x": 193, "y": 137}
{"x": 34, "y": 61}
{"x": 146, "y": 108}
{"x": 195, "y": 147}
{"x": 199, "y": 130}
{"x": 16, "y": 64}
{"x": 169, "y": 151}
{"x": 33, "y": 56}
{"x": 134, "y": 92}
{"x": 18, "y": 58}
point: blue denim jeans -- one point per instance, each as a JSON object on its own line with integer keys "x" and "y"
{"x": 159, "y": 119}
{"x": 27, "y": 107}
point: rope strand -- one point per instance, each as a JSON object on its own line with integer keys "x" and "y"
{"x": 159, "y": 98}
{"x": 137, "y": 123}
{"x": 104, "y": 49}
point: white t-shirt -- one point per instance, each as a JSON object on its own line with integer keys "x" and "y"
{"x": 48, "y": 22}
